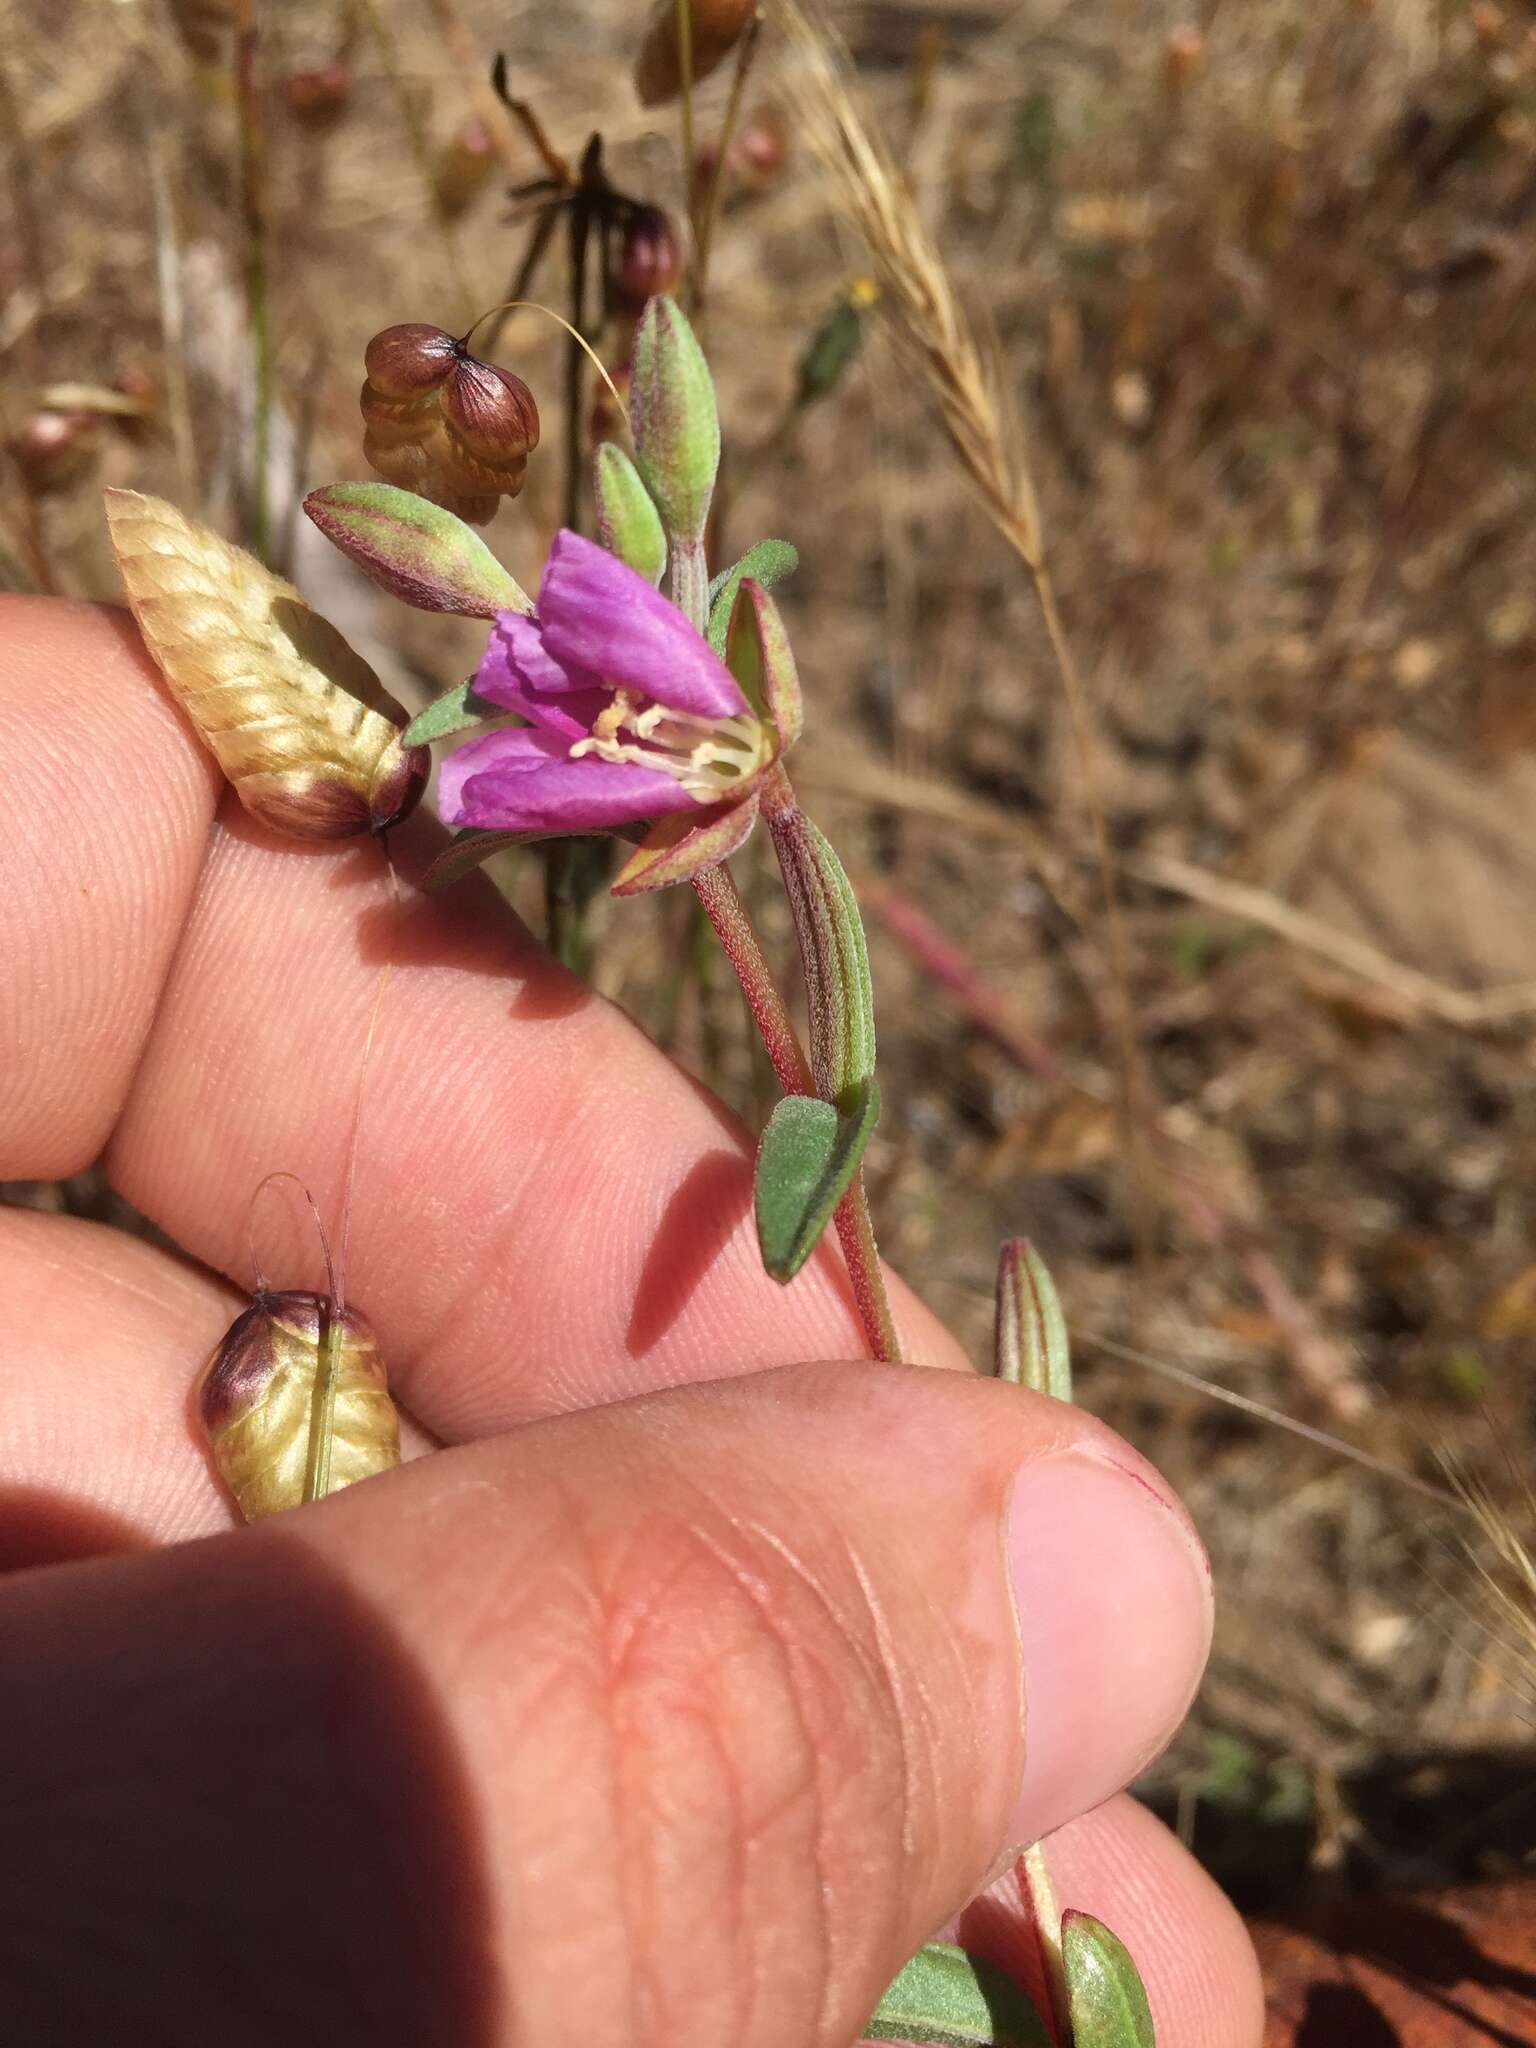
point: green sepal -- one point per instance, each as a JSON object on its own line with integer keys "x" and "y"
{"x": 952, "y": 2000}
{"x": 759, "y": 656}
{"x": 832, "y": 951}
{"x": 468, "y": 850}
{"x": 628, "y": 523}
{"x": 1105, "y": 1995}
{"x": 673, "y": 418}
{"x": 809, "y": 1152}
{"x": 415, "y": 550}
{"x": 455, "y": 711}
{"x": 1030, "y": 1346}
{"x": 827, "y": 355}
{"x": 767, "y": 563}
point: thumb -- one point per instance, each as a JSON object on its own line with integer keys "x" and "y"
{"x": 676, "y": 1722}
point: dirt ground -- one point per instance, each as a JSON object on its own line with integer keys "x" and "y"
{"x": 1260, "y": 281}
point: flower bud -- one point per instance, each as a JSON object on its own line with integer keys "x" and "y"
{"x": 318, "y": 97}
{"x": 718, "y": 26}
{"x": 673, "y": 418}
{"x": 649, "y": 261}
{"x": 1183, "y": 59}
{"x": 415, "y": 550}
{"x": 463, "y": 168}
{"x": 53, "y": 449}
{"x": 444, "y": 424}
{"x": 295, "y": 717}
{"x": 628, "y": 523}
{"x": 256, "y": 1399}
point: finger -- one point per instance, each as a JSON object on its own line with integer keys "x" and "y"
{"x": 107, "y": 803}
{"x": 547, "y": 1213}
{"x": 1122, "y": 1865}
{"x": 103, "y": 1339}
{"x": 684, "y": 1720}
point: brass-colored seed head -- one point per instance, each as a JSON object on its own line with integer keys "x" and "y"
{"x": 257, "y": 1393}
{"x": 295, "y": 717}
{"x": 444, "y": 424}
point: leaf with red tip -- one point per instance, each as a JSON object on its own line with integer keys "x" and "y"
{"x": 415, "y": 550}
{"x": 680, "y": 846}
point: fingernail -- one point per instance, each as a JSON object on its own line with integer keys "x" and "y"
{"x": 1113, "y": 1593}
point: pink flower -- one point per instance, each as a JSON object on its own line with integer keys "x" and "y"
{"x": 631, "y": 713}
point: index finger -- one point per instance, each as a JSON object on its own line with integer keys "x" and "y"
{"x": 548, "y": 1213}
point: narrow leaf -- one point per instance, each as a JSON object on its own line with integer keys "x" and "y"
{"x": 415, "y": 550}
{"x": 767, "y": 563}
{"x": 454, "y": 711}
{"x": 808, "y": 1154}
{"x": 952, "y": 2000}
{"x": 832, "y": 952}
{"x": 1030, "y": 1346}
{"x": 1107, "y": 1998}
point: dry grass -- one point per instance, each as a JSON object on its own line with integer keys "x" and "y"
{"x": 1272, "y": 332}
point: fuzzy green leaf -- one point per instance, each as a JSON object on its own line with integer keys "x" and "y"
{"x": 832, "y": 952}
{"x": 767, "y": 563}
{"x": 1030, "y": 1345}
{"x": 952, "y": 2000}
{"x": 415, "y": 550}
{"x": 808, "y": 1154}
{"x": 1105, "y": 1994}
{"x": 454, "y": 711}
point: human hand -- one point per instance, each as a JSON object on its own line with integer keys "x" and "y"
{"x": 678, "y": 1701}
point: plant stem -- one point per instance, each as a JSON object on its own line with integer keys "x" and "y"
{"x": 705, "y": 232}
{"x": 257, "y": 304}
{"x": 322, "y": 1407}
{"x": 1041, "y": 1894}
{"x": 732, "y": 922}
{"x": 685, "y": 98}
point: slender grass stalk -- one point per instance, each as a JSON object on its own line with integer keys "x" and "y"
{"x": 685, "y": 106}
{"x": 936, "y": 337}
{"x": 258, "y": 306}
{"x": 746, "y": 51}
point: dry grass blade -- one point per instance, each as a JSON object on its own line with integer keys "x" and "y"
{"x": 933, "y": 332}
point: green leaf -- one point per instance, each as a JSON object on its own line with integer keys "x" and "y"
{"x": 948, "y": 1998}
{"x": 1030, "y": 1346}
{"x": 832, "y": 952}
{"x": 628, "y": 523}
{"x": 454, "y": 711}
{"x": 808, "y": 1154}
{"x": 1105, "y": 1994}
{"x": 673, "y": 418}
{"x": 825, "y": 359}
{"x": 415, "y": 550}
{"x": 767, "y": 563}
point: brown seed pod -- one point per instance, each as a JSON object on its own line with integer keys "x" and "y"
{"x": 297, "y": 721}
{"x": 648, "y": 261}
{"x": 444, "y": 424}
{"x": 318, "y": 96}
{"x": 463, "y": 168}
{"x": 717, "y": 27}
{"x": 55, "y": 448}
{"x": 256, "y": 1399}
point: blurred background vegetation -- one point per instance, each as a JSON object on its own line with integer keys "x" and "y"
{"x": 1258, "y": 279}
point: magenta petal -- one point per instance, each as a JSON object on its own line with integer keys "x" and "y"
{"x": 596, "y": 613}
{"x": 507, "y": 753}
{"x": 518, "y": 673}
{"x": 556, "y": 794}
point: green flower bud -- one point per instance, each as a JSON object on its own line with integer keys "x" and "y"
{"x": 627, "y": 520}
{"x": 673, "y": 419}
{"x": 415, "y": 550}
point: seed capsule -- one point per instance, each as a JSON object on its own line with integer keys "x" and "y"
{"x": 256, "y": 1399}
{"x": 443, "y": 424}
{"x": 295, "y": 718}
{"x": 54, "y": 448}
{"x": 649, "y": 261}
{"x": 717, "y": 27}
